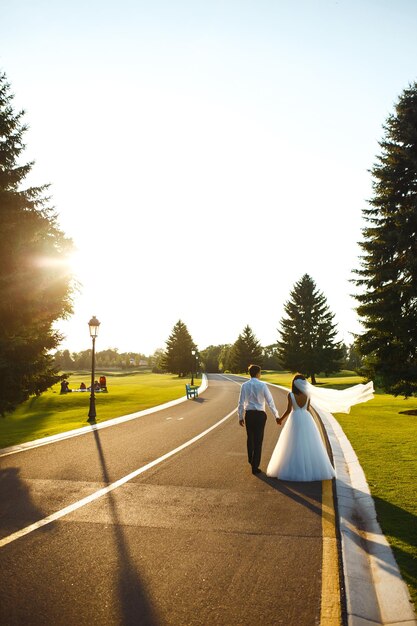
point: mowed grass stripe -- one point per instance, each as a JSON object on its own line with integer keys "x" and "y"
{"x": 52, "y": 413}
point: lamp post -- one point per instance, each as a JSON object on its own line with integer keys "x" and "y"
{"x": 192, "y": 367}
{"x": 93, "y": 325}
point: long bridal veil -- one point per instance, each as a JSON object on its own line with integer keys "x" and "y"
{"x": 336, "y": 400}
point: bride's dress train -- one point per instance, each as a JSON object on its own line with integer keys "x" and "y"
{"x": 300, "y": 454}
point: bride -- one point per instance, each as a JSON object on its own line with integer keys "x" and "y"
{"x": 300, "y": 454}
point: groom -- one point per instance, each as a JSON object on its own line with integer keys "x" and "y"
{"x": 251, "y": 412}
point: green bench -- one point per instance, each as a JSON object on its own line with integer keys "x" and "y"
{"x": 192, "y": 391}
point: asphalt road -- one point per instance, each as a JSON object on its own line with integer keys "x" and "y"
{"x": 195, "y": 540}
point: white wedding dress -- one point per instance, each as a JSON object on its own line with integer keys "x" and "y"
{"x": 300, "y": 454}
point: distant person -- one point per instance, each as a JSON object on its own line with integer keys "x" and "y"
{"x": 65, "y": 387}
{"x": 97, "y": 386}
{"x": 251, "y": 412}
{"x": 83, "y": 387}
{"x": 103, "y": 382}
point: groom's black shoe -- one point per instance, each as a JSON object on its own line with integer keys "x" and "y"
{"x": 256, "y": 470}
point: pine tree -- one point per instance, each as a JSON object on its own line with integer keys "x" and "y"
{"x": 35, "y": 285}
{"x": 245, "y": 351}
{"x": 388, "y": 274}
{"x": 178, "y": 358}
{"x": 308, "y": 333}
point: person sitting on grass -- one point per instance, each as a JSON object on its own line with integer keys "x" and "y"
{"x": 65, "y": 387}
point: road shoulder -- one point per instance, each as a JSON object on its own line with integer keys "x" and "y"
{"x": 375, "y": 590}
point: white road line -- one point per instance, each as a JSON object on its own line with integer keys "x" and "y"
{"x": 102, "y": 492}
{"x": 233, "y": 380}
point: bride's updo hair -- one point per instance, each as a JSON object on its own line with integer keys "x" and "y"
{"x": 293, "y": 386}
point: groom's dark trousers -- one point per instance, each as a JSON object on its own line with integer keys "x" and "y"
{"x": 255, "y": 425}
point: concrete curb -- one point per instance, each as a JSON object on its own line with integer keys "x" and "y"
{"x": 376, "y": 593}
{"x": 375, "y": 590}
{"x": 84, "y": 430}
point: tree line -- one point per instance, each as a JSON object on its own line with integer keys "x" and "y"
{"x": 307, "y": 343}
{"x": 36, "y": 287}
{"x": 65, "y": 361}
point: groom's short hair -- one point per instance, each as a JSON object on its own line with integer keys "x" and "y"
{"x": 254, "y": 370}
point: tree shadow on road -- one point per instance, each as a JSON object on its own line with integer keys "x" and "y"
{"x": 135, "y": 605}
{"x": 18, "y": 509}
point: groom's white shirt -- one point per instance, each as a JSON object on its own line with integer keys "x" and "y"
{"x": 253, "y": 395}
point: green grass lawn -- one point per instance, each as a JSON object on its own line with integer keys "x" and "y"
{"x": 52, "y": 413}
{"x": 336, "y": 381}
{"x": 385, "y": 441}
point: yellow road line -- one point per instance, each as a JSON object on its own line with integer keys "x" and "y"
{"x": 330, "y": 587}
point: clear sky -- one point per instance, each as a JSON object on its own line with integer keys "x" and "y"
{"x": 204, "y": 155}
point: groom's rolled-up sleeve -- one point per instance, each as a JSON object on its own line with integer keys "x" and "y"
{"x": 241, "y": 404}
{"x": 270, "y": 401}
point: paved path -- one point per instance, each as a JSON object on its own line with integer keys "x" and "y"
{"x": 195, "y": 540}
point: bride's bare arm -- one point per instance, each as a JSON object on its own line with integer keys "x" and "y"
{"x": 287, "y": 411}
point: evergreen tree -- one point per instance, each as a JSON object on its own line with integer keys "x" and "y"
{"x": 178, "y": 358}
{"x": 308, "y": 333}
{"x": 245, "y": 351}
{"x": 388, "y": 275}
{"x": 35, "y": 285}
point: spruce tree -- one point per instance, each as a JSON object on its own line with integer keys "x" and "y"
{"x": 245, "y": 351}
{"x": 308, "y": 333}
{"x": 178, "y": 358}
{"x": 388, "y": 275}
{"x": 35, "y": 285}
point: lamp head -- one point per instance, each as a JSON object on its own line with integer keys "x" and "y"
{"x": 93, "y": 325}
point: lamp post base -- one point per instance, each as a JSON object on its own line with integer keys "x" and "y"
{"x": 92, "y": 412}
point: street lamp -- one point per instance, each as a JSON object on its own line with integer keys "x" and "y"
{"x": 93, "y": 325}
{"x": 192, "y": 367}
